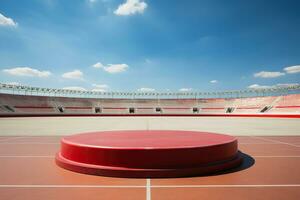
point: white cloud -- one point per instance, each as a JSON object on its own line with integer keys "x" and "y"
{"x": 264, "y": 74}
{"x": 6, "y": 21}
{"x": 131, "y": 7}
{"x": 185, "y": 89}
{"x": 74, "y": 88}
{"x": 146, "y": 89}
{"x": 27, "y": 71}
{"x": 92, "y": 1}
{"x": 100, "y": 88}
{"x": 76, "y": 74}
{"x": 98, "y": 65}
{"x": 287, "y": 84}
{"x": 116, "y": 68}
{"x": 111, "y": 68}
{"x": 292, "y": 69}
{"x": 257, "y": 86}
{"x": 213, "y": 81}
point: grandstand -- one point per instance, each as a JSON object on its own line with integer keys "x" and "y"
{"x": 22, "y": 100}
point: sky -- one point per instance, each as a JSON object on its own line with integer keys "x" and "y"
{"x": 150, "y": 45}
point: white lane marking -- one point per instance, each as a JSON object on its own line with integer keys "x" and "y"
{"x": 11, "y": 138}
{"x": 148, "y": 189}
{"x": 151, "y": 186}
{"x": 276, "y": 141}
{"x": 72, "y": 186}
{"x": 15, "y": 156}
{"x": 258, "y": 143}
{"x": 276, "y": 156}
{"x": 29, "y": 143}
{"x": 222, "y": 186}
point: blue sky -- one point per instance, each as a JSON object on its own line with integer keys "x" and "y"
{"x": 130, "y": 45}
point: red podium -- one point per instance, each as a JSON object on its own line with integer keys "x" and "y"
{"x": 148, "y": 154}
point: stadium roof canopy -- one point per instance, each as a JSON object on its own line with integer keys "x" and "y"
{"x": 38, "y": 91}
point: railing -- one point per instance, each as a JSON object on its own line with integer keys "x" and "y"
{"x": 37, "y": 91}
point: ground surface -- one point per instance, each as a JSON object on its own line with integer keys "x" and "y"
{"x": 28, "y": 170}
{"x": 226, "y": 125}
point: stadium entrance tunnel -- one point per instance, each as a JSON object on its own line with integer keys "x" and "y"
{"x": 158, "y": 110}
{"x": 8, "y": 108}
{"x": 265, "y": 109}
{"x": 149, "y": 153}
{"x": 131, "y": 110}
{"x": 61, "y": 109}
{"x": 195, "y": 110}
{"x": 98, "y": 110}
{"x": 230, "y": 110}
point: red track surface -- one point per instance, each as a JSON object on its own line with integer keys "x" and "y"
{"x": 28, "y": 172}
{"x": 152, "y": 153}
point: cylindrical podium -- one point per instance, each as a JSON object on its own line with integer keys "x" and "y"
{"x": 148, "y": 154}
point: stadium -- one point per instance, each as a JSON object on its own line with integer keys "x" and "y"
{"x": 265, "y": 122}
{"x": 19, "y": 100}
{"x": 149, "y": 100}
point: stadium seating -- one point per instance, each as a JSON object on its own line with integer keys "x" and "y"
{"x": 22, "y": 104}
{"x": 27, "y": 104}
{"x": 251, "y": 105}
{"x": 287, "y": 104}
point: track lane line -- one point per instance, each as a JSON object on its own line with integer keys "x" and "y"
{"x": 276, "y": 141}
{"x": 13, "y": 138}
{"x": 71, "y": 186}
{"x": 17, "y": 156}
{"x": 224, "y": 186}
{"x": 148, "y": 189}
{"x": 276, "y": 156}
{"x": 31, "y": 143}
{"x": 150, "y": 186}
{"x": 258, "y": 143}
